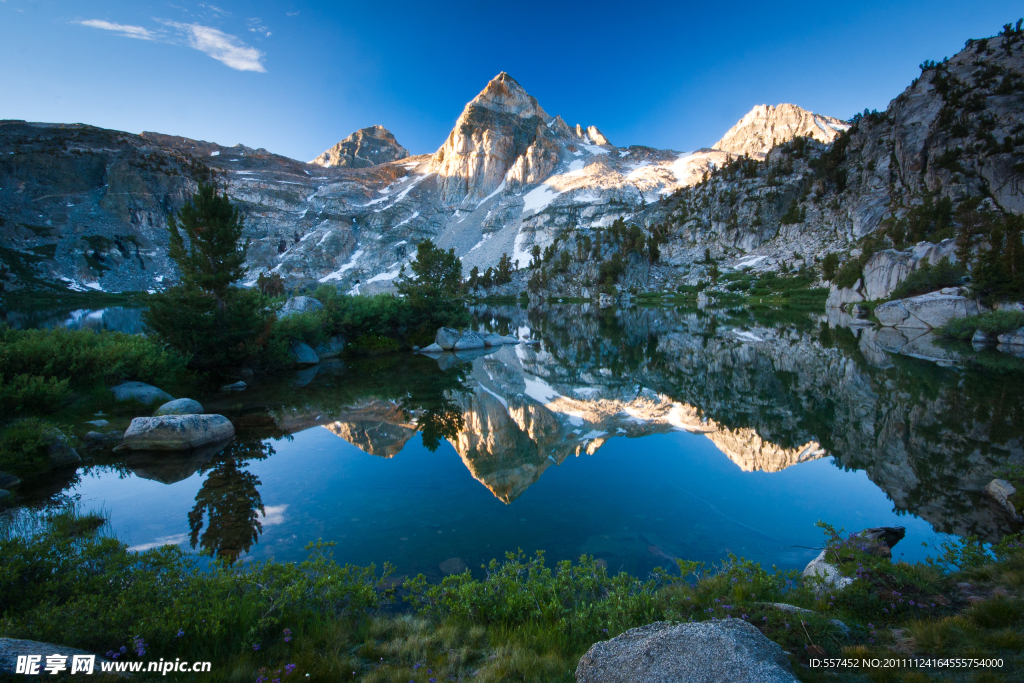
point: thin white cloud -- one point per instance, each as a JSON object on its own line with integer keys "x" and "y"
{"x": 289, "y": 14}
{"x": 223, "y": 47}
{"x": 125, "y": 30}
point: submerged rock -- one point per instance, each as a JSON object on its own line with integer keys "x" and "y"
{"x": 299, "y": 304}
{"x": 141, "y": 392}
{"x": 453, "y": 565}
{"x": 8, "y": 480}
{"x": 700, "y": 652}
{"x": 177, "y": 432}
{"x": 180, "y": 406}
{"x": 170, "y": 468}
{"x": 237, "y": 386}
{"x": 433, "y": 348}
{"x": 302, "y": 353}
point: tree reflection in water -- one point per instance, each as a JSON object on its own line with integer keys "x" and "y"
{"x": 230, "y": 502}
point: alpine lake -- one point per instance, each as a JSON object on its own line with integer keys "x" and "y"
{"x": 635, "y": 434}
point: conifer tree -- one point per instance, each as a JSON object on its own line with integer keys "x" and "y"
{"x": 205, "y": 316}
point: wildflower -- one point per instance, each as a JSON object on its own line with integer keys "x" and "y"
{"x": 181, "y": 632}
{"x": 764, "y": 618}
{"x": 287, "y": 635}
{"x": 416, "y": 666}
{"x": 433, "y": 680}
{"x": 911, "y": 603}
{"x": 255, "y": 647}
{"x": 289, "y": 669}
{"x": 139, "y": 645}
{"x": 744, "y": 616}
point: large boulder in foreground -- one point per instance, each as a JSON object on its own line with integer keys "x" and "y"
{"x": 12, "y": 648}
{"x": 177, "y": 432}
{"x": 700, "y": 652}
{"x": 141, "y": 392}
{"x": 927, "y": 310}
{"x": 300, "y": 304}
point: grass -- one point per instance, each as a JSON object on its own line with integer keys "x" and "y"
{"x": 65, "y": 580}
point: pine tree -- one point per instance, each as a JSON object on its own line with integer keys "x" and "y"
{"x": 206, "y": 317}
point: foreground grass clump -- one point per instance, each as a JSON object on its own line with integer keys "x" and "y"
{"x": 40, "y": 368}
{"x": 25, "y": 445}
{"x": 64, "y": 582}
{"x": 993, "y": 323}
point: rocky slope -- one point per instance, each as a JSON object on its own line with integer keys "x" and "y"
{"x": 87, "y": 207}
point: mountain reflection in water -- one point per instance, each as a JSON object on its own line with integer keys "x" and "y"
{"x": 769, "y": 390}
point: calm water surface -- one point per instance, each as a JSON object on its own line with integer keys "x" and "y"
{"x": 636, "y": 436}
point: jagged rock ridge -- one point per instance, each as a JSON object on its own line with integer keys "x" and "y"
{"x": 366, "y": 147}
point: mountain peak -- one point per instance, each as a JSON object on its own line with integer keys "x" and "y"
{"x": 766, "y": 126}
{"x": 504, "y": 94}
{"x": 366, "y": 147}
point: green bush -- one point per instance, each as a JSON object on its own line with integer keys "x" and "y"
{"x": 31, "y": 393}
{"x": 993, "y": 323}
{"x": 929, "y": 278}
{"x": 24, "y": 445}
{"x": 82, "y": 358}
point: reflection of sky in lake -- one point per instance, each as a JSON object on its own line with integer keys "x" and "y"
{"x": 636, "y": 503}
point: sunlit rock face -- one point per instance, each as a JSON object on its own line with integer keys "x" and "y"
{"x": 366, "y": 147}
{"x": 501, "y": 127}
{"x": 766, "y": 126}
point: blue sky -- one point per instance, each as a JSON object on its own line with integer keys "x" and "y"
{"x": 297, "y": 76}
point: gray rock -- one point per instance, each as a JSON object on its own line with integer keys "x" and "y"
{"x": 8, "y": 480}
{"x": 433, "y": 348}
{"x": 60, "y": 450}
{"x": 701, "y": 652}
{"x": 98, "y": 423}
{"x": 331, "y": 348}
{"x": 887, "y": 269}
{"x": 926, "y": 311}
{"x": 415, "y": 348}
{"x": 177, "y": 432}
{"x": 12, "y": 648}
{"x": 793, "y": 609}
{"x": 876, "y": 540}
{"x": 446, "y": 337}
{"x": 469, "y": 340}
{"x": 1001, "y": 491}
{"x": 828, "y": 575}
{"x": 1015, "y": 338}
{"x": 982, "y": 339}
{"x": 302, "y": 353}
{"x": 491, "y": 339}
{"x": 141, "y": 392}
{"x": 180, "y": 406}
{"x": 237, "y": 386}
{"x": 300, "y": 304}
{"x": 839, "y": 297}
